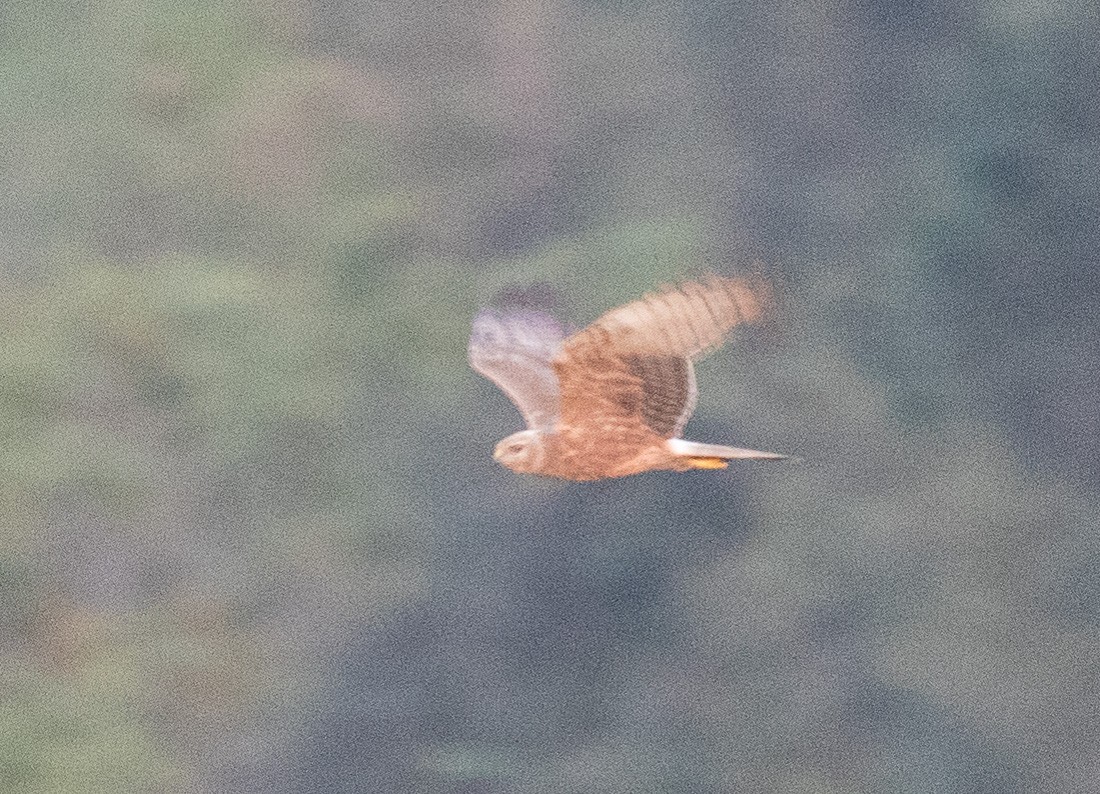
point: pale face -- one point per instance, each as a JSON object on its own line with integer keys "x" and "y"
{"x": 521, "y": 452}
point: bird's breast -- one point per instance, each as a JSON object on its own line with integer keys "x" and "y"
{"x": 586, "y": 452}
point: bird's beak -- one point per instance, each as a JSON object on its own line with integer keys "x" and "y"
{"x": 496, "y": 454}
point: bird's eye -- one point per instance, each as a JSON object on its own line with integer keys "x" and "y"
{"x": 516, "y": 448}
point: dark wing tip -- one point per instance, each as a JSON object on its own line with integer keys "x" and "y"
{"x": 538, "y": 296}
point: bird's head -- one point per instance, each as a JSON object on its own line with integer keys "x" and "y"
{"x": 521, "y": 452}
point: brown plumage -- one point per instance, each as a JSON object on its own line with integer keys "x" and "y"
{"x": 613, "y": 398}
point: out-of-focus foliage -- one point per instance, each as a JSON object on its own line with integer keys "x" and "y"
{"x": 252, "y": 537}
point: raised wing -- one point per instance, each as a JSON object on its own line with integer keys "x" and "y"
{"x": 513, "y": 348}
{"x": 634, "y": 362}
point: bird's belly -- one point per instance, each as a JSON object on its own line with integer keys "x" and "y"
{"x": 596, "y": 453}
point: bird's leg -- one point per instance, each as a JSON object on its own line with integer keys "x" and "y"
{"x": 707, "y": 463}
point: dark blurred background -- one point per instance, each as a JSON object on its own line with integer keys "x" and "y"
{"x": 252, "y": 536}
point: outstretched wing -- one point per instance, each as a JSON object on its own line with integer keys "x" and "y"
{"x": 634, "y": 363}
{"x": 513, "y": 348}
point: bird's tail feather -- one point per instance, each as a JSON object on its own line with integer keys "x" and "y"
{"x": 714, "y": 456}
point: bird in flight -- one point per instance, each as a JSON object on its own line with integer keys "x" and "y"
{"x": 612, "y": 399}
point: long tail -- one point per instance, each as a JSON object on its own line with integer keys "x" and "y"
{"x": 715, "y": 456}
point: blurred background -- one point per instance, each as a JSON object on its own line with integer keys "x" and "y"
{"x": 252, "y": 536}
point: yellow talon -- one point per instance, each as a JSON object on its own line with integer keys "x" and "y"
{"x": 708, "y": 463}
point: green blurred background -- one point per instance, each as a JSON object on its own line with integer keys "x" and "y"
{"x": 252, "y": 536}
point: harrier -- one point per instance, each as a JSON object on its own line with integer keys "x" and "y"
{"x": 612, "y": 399}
